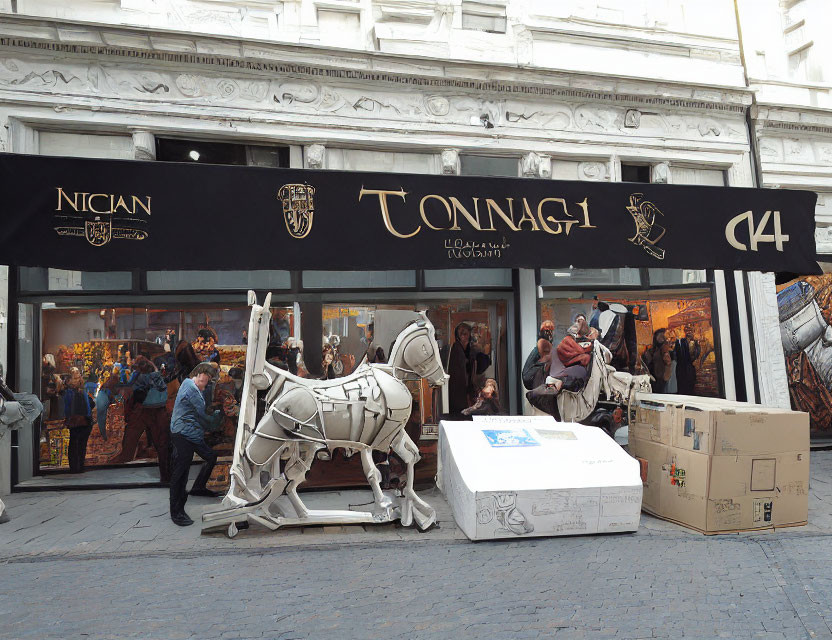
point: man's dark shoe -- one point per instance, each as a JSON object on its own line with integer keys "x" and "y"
{"x": 181, "y": 519}
{"x": 204, "y": 492}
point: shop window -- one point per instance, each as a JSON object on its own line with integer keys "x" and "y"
{"x": 635, "y": 172}
{"x": 484, "y": 15}
{"x": 187, "y": 280}
{"x": 676, "y": 276}
{"x": 473, "y": 165}
{"x": 48, "y": 279}
{"x": 682, "y": 318}
{"x": 205, "y": 152}
{"x": 358, "y": 279}
{"x": 103, "y": 344}
{"x": 571, "y": 277}
{"x": 353, "y": 332}
{"x": 85, "y": 145}
{"x": 467, "y": 278}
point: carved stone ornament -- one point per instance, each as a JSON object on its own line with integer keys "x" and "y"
{"x": 632, "y": 118}
{"x": 660, "y": 173}
{"x": 314, "y": 155}
{"x": 144, "y": 145}
{"x": 535, "y": 165}
{"x": 593, "y": 171}
{"x": 362, "y": 412}
{"x": 450, "y": 162}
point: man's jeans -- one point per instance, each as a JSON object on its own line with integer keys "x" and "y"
{"x": 183, "y": 453}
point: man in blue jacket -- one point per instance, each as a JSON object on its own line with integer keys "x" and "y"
{"x": 187, "y": 428}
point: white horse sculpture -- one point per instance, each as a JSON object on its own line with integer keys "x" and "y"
{"x": 620, "y": 386}
{"x": 364, "y": 411}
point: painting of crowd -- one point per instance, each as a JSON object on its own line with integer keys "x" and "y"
{"x": 109, "y": 400}
{"x": 670, "y": 338}
{"x": 805, "y": 309}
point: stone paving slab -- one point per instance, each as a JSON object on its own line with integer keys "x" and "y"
{"x": 125, "y": 521}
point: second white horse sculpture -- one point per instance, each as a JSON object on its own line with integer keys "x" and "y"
{"x": 364, "y": 411}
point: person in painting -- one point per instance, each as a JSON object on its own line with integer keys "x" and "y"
{"x": 686, "y": 352}
{"x": 658, "y": 358}
{"x": 487, "y": 403}
{"x": 227, "y": 396}
{"x": 205, "y": 346}
{"x": 327, "y": 361}
{"x": 537, "y": 361}
{"x": 580, "y": 328}
{"x": 78, "y": 419}
{"x": 188, "y": 425}
{"x": 186, "y": 360}
{"x": 149, "y": 415}
{"x": 461, "y": 363}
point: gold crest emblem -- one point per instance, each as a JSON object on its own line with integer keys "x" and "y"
{"x": 648, "y": 230}
{"x": 98, "y": 232}
{"x": 298, "y": 208}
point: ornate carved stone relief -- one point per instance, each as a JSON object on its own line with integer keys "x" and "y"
{"x": 144, "y": 145}
{"x": 450, "y": 162}
{"x": 535, "y": 165}
{"x": 593, "y": 171}
{"x": 314, "y": 156}
{"x": 660, "y": 173}
{"x": 40, "y": 75}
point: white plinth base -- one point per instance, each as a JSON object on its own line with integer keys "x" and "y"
{"x": 517, "y": 476}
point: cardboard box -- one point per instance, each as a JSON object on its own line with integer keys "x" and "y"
{"x": 516, "y": 476}
{"x": 714, "y": 426}
{"x": 750, "y": 470}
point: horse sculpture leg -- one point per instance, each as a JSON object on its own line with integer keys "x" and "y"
{"x": 413, "y": 507}
{"x": 383, "y": 503}
{"x": 297, "y": 466}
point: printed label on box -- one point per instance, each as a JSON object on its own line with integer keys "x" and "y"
{"x": 762, "y": 510}
{"x": 510, "y": 438}
{"x": 547, "y": 434}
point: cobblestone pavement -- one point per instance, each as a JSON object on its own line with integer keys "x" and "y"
{"x": 111, "y": 565}
{"x": 621, "y": 586}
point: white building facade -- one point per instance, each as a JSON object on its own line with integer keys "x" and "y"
{"x": 666, "y": 91}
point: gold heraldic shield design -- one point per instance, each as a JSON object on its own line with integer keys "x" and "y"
{"x": 298, "y": 208}
{"x": 98, "y": 232}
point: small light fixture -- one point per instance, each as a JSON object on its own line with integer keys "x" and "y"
{"x": 193, "y": 154}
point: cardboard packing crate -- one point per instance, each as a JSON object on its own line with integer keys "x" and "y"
{"x": 721, "y": 466}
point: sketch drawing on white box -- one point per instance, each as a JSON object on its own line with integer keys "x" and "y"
{"x": 501, "y": 508}
{"x": 364, "y": 411}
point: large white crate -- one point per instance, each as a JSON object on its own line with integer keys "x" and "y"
{"x": 516, "y": 476}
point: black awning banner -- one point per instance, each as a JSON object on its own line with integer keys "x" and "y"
{"x": 99, "y": 215}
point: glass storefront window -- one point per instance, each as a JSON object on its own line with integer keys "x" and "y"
{"x": 43, "y": 279}
{"x": 634, "y": 319}
{"x": 676, "y": 276}
{"x": 187, "y": 280}
{"x": 353, "y": 332}
{"x": 358, "y": 279}
{"x": 96, "y": 351}
{"x": 570, "y": 277}
{"x": 467, "y": 278}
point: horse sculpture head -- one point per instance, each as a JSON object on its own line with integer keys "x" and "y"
{"x": 416, "y": 350}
